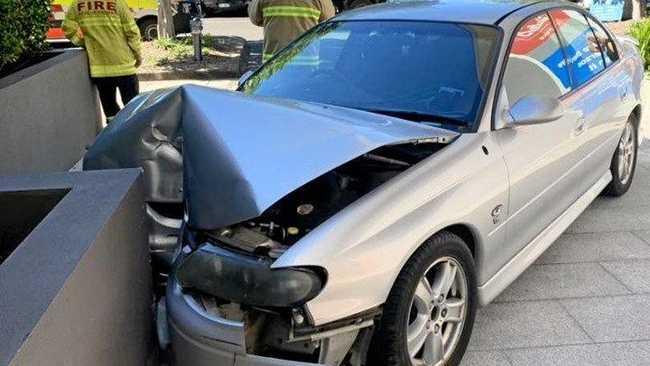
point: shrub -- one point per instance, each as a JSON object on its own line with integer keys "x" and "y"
{"x": 176, "y": 47}
{"x": 182, "y": 47}
{"x": 23, "y": 27}
{"x": 641, "y": 32}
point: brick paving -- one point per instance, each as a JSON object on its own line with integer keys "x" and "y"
{"x": 586, "y": 300}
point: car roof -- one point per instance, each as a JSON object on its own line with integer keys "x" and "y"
{"x": 457, "y": 11}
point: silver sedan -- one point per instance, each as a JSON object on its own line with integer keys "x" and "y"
{"x": 365, "y": 190}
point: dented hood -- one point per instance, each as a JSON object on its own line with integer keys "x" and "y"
{"x": 230, "y": 156}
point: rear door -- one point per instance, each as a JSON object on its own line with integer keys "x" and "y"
{"x": 597, "y": 94}
{"x": 540, "y": 158}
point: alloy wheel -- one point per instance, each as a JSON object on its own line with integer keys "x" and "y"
{"x": 438, "y": 312}
{"x": 626, "y": 154}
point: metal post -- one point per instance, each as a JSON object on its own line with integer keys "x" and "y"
{"x": 197, "y": 28}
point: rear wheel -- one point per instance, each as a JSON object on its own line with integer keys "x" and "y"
{"x": 429, "y": 315}
{"x": 624, "y": 161}
{"x": 148, "y": 29}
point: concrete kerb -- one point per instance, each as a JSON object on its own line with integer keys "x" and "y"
{"x": 207, "y": 74}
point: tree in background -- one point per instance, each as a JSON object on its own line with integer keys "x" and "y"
{"x": 24, "y": 25}
{"x": 165, "y": 19}
{"x": 638, "y": 9}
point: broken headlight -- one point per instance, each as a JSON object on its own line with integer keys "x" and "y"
{"x": 245, "y": 279}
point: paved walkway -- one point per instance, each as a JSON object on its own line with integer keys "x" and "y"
{"x": 153, "y": 85}
{"x": 587, "y": 299}
{"x": 233, "y": 26}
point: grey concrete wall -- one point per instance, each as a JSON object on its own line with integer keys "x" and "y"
{"x": 48, "y": 114}
{"x": 77, "y": 290}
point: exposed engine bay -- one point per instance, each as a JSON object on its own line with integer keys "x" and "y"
{"x": 294, "y": 216}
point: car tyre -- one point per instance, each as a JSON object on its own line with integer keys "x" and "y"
{"x": 623, "y": 163}
{"x": 149, "y": 29}
{"x": 433, "y": 303}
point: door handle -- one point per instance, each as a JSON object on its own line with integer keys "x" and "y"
{"x": 580, "y": 128}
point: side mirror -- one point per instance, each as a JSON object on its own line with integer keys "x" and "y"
{"x": 245, "y": 77}
{"x": 532, "y": 110}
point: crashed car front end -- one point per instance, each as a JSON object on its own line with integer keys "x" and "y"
{"x": 226, "y": 301}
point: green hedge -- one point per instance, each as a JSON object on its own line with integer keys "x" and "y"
{"x": 641, "y": 32}
{"x": 23, "y": 27}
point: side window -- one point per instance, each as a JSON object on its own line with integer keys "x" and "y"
{"x": 605, "y": 42}
{"x": 536, "y": 64}
{"x": 583, "y": 53}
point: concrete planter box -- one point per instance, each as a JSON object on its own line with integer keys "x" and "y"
{"x": 75, "y": 278}
{"x": 48, "y": 115}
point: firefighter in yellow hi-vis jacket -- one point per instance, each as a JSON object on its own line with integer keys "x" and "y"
{"x": 107, "y": 30}
{"x": 286, "y": 20}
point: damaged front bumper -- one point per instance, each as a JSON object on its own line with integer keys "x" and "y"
{"x": 200, "y": 338}
{"x": 226, "y": 307}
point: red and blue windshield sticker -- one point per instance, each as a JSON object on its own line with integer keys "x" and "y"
{"x": 537, "y": 40}
{"x": 585, "y": 59}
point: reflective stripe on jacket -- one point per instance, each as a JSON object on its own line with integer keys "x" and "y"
{"x": 286, "y": 20}
{"x": 107, "y": 30}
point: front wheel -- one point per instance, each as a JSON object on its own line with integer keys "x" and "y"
{"x": 624, "y": 161}
{"x": 429, "y": 315}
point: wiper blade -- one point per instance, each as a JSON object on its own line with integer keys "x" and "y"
{"x": 419, "y": 116}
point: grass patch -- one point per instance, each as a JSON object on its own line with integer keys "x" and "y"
{"x": 182, "y": 48}
{"x": 177, "y": 54}
{"x": 179, "y": 48}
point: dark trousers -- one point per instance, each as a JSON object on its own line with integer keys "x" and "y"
{"x": 107, "y": 87}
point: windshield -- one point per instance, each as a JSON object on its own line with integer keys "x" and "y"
{"x": 422, "y": 71}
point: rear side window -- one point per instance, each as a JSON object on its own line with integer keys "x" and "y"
{"x": 604, "y": 41}
{"x": 536, "y": 63}
{"x": 583, "y": 54}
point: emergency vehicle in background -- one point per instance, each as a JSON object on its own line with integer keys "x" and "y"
{"x": 144, "y": 11}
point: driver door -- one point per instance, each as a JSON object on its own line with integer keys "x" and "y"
{"x": 540, "y": 158}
